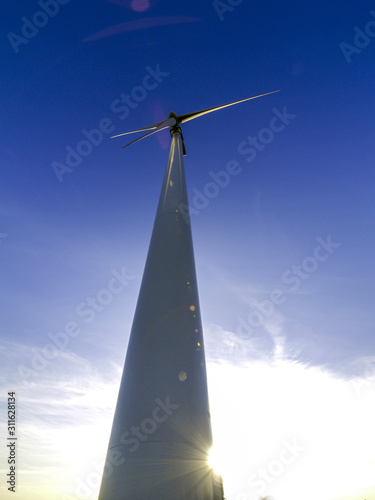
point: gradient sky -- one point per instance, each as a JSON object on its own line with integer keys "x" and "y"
{"x": 284, "y": 244}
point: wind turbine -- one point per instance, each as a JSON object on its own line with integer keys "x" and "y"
{"x": 161, "y": 433}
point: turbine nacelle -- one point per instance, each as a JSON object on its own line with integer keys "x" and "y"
{"x": 172, "y": 114}
{"x": 174, "y": 121}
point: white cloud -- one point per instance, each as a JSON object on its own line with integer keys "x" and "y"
{"x": 256, "y": 408}
{"x": 64, "y": 417}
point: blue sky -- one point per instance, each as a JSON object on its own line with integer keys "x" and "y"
{"x": 283, "y": 243}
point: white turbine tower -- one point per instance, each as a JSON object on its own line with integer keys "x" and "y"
{"x": 161, "y": 433}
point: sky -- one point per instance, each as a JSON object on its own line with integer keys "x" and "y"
{"x": 281, "y": 194}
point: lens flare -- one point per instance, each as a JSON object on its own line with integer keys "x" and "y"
{"x": 140, "y": 5}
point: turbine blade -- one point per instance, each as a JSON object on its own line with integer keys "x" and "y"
{"x": 190, "y": 116}
{"x": 164, "y": 124}
{"x": 150, "y": 127}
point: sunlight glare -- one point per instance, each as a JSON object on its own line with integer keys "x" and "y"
{"x": 215, "y": 460}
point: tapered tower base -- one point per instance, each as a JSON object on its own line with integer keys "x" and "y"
{"x": 161, "y": 433}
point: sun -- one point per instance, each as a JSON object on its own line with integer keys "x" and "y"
{"x": 215, "y": 460}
